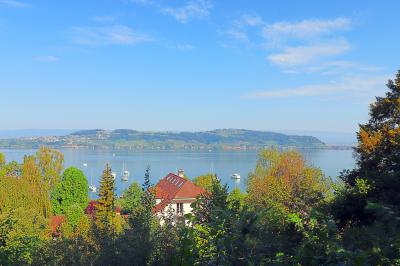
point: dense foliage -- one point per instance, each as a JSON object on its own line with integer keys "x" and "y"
{"x": 291, "y": 213}
{"x": 367, "y": 208}
{"x": 205, "y": 181}
{"x": 72, "y": 189}
{"x": 130, "y": 200}
{"x": 283, "y": 180}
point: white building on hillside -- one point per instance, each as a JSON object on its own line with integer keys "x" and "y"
{"x": 176, "y": 192}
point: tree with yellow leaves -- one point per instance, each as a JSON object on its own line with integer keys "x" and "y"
{"x": 283, "y": 180}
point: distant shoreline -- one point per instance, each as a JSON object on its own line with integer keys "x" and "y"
{"x": 327, "y": 147}
{"x": 214, "y": 140}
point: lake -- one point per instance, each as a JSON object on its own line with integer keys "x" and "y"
{"x": 223, "y": 163}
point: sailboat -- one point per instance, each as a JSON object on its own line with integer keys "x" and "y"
{"x": 125, "y": 173}
{"x": 92, "y": 187}
{"x": 235, "y": 176}
{"x": 114, "y": 175}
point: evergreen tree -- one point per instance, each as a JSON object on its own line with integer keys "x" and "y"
{"x": 213, "y": 226}
{"x": 105, "y": 204}
{"x": 137, "y": 244}
{"x": 367, "y": 208}
{"x": 148, "y": 198}
{"x": 378, "y": 149}
{"x": 377, "y": 176}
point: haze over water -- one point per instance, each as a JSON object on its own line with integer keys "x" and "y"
{"x": 195, "y": 163}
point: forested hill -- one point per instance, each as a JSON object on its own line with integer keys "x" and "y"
{"x": 227, "y": 139}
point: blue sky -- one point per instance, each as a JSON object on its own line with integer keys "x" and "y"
{"x": 194, "y": 65}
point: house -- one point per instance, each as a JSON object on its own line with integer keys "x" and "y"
{"x": 176, "y": 192}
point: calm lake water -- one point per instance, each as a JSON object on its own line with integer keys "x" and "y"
{"x": 223, "y": 163}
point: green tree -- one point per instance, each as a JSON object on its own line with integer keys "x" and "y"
{"x": 236, "y": 198}
{"x": 166, "y": 240}
{"x": 214, "y": 224}
{"x": 367, "y": 207}
{"x": 72, "y": 189}
{"x": 77, "y": 223}
{"x": 205, "y": 181}
{"x": 138, "y": 241}
{"x": 130, "y": 201}
{"x": 105, "y": 204}
{"x": 105, "y": 218}
{"x": 22, "y": 232}
{"x": 378, "y": 150}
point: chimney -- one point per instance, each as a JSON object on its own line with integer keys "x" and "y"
{"x": 181, "y": 173}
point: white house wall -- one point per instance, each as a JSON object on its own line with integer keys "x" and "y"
{"x": 186, "y": 207}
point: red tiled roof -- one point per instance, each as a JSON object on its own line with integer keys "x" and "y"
{"x": 173, "y": 187}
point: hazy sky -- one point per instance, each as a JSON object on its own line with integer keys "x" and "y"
{"x": 194, "y": 65}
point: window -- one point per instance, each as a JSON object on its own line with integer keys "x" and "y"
{"x": 179, "y": 208}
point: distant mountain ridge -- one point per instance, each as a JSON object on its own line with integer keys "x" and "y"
{"x": 225, "y": 139}
{"x": 26, "y": 133}
{"x": 213, "y": 137}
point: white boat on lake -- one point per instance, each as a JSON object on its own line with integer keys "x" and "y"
{"x": 114, "y": 175}
{"x": 125, "y": 173}
{"x": 235, "y": 176}
{"x": 92, "y": 188}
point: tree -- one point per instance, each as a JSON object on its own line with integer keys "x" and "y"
{"x": 131, "y": 199}
{"x": 378, "y": 150}
{"x": 138, "y": 243}
{"x": 38, "y": 191}
{"x": 367, "y": 207}
{"x": 283, "y": 180}
{"x": 205, "y": 181}
{"x": 11, "y": 169}
{"x": 166, "y": 240}
{"x": 376, "y": 179}
{"x": 105, "y": 218}
{"x": 77, "y": 223}
{"x": 22, "y": 232}
{"x": 2, "y": 160}
{"x": 236, "y": 198}
{"x": 50, "y": 162}
{"x": 72, "y": 189}
{"x": 105, "y": 204}
{"x": 214, "y": 227}
{"x": 26, "y": 190}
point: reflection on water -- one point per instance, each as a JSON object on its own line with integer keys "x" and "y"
{"x": 223, "y": 163}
